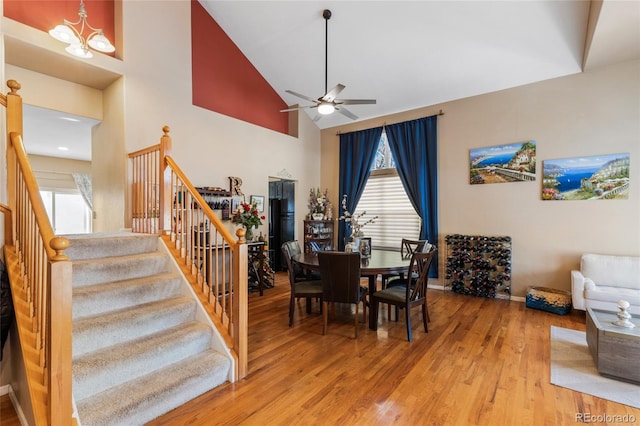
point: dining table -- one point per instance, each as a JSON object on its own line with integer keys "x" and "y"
{"x": 379, "y": 262}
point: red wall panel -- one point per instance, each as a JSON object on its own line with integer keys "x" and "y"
{"x": 225, "y": 81}
{"x": 46, "y": 14}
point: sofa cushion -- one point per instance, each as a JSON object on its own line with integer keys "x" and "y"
{"x": 612, "y": 271}
{"x": 612, "y": 294}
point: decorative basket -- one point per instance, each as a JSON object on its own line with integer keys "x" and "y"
{"x": 549, "y": 299}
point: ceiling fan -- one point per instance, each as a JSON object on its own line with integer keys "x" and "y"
{"x": 328, "y": 103}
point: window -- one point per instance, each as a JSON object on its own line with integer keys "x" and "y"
{"x": 385, "y": 197}
{"x": 67, "y": 212}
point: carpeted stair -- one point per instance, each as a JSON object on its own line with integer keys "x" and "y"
{"x": 138, "y": 349}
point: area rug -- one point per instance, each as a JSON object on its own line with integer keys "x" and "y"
{"x": 572, "y": 367}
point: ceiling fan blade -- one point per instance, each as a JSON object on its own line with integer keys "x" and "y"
{"x": 317, "y": 117}
{"x": 346, "y": 112}
{"x": 302, "y": 96}
{"x": 355, "y": 101}
{"x": 297, "y": 108}
{"x": 331, "y": 94}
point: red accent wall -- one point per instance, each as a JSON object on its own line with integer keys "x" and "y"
{"x": 225, "y": 81}
{"x": 46, "y": 14}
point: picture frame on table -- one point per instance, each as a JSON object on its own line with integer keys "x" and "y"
{"x": 259, "y": 200}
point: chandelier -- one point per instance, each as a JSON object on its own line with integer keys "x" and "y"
{"x": 78, "y": 44}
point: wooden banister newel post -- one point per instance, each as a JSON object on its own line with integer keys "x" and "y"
{"x": 14, "y": 125}
{"x": 60, "y": 370}
{"x": 164, "y": 180}
{"x": 241, "y": 308}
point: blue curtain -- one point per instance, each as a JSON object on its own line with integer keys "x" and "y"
{"x": 357, "y": 152}
{"x": 414, "y": 146}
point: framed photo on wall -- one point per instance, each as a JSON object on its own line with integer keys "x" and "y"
{"x": 259, "y": 200}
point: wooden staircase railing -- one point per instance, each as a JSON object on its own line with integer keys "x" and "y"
{"x": 40, "y": 276}
{"x": 164, "y": 201}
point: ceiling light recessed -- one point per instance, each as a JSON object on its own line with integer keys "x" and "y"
{"x": 75, "y": 120}
{"x": 63, "y": 148}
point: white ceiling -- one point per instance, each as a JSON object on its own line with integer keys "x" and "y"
{"x": 412, "y": 54}
{"x": 47, "y": 132}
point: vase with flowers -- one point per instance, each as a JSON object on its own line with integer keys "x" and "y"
{"x": 356, "y": 222}
{"x": 247, "y": 216}
{"x": 319, "y": 204}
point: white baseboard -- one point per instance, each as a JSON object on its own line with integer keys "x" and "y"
{"x": 4, "y": 390}
{"x": 499, "y": 296}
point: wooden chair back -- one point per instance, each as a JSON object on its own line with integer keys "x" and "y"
{"x": 340, "y": 275}
{"x": 420, "y": 265}
{"x": 290, "y": 249}
{"x": 408, "y": 247}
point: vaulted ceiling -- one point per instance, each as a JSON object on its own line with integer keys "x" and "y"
{"x": 405, "y": 54}
{"x": 411, "y": 54}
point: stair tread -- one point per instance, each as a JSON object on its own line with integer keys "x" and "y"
{"x": 109, "y": 296}
{"x": 116, "y": 268}
{"x": 93, "y": 332}
{"x": 95, "y": 246}
{"x": 145, "y": 398}
{"x": 98, "y": 370}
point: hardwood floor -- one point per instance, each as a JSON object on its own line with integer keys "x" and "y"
{"x": 8, "y": 415}
{"x": 483, "y": 362}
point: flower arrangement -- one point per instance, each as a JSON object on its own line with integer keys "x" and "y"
{"x": 354, "y": 219}
{"x": 247, "y": 215}
{"x": 319, "y": 202}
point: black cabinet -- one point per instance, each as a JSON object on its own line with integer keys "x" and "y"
{"x": 282, "y": 204}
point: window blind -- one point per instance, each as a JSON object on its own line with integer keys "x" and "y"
{"x": 385, "y": 197}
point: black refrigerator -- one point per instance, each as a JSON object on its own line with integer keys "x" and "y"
{"x": 281, "y": 220}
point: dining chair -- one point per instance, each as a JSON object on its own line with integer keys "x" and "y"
{"x": 308, "y": 289}
{"x": 340, "y": 276}
{"x": 409, "y": 294}
{"x": 293, "y": 248}
{"x": 407, "y": 248}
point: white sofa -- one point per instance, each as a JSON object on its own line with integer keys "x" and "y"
{"x": 603, "y": 280}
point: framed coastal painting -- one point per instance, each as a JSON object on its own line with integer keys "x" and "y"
{"x": 514, "y": 162}
{"x": 600, "y": 177}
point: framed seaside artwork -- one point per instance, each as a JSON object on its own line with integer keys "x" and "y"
{"x": 514, "y": 162}
{"x": 601, "y": 177}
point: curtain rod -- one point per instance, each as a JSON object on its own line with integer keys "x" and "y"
{"x": 440, "y": 112}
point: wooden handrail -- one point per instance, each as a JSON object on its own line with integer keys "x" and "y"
{"x": 31, "y": 187}
{"x": 228, "y": 237}
{"x": 40, "y": 277}
{"x": 165, "y": 201}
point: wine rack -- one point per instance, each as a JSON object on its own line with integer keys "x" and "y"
{"x": 479, "y": 265}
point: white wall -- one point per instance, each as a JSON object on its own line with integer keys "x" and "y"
{"x": 592, "y": 113}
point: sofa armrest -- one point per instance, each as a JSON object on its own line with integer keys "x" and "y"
{"x": 577, "y": 290}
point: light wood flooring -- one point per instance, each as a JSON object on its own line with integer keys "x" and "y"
{"x": 483, "y": 362}
{"x": 8, "y": 416}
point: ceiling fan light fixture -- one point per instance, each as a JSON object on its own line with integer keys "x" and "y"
{"x": 326, "y": 108}
{"x": 329, "y": 102}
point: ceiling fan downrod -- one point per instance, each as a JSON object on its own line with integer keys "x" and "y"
{"x": 326, "y": 14}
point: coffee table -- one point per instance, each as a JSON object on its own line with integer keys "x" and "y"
{"x": 615, "y": 350}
